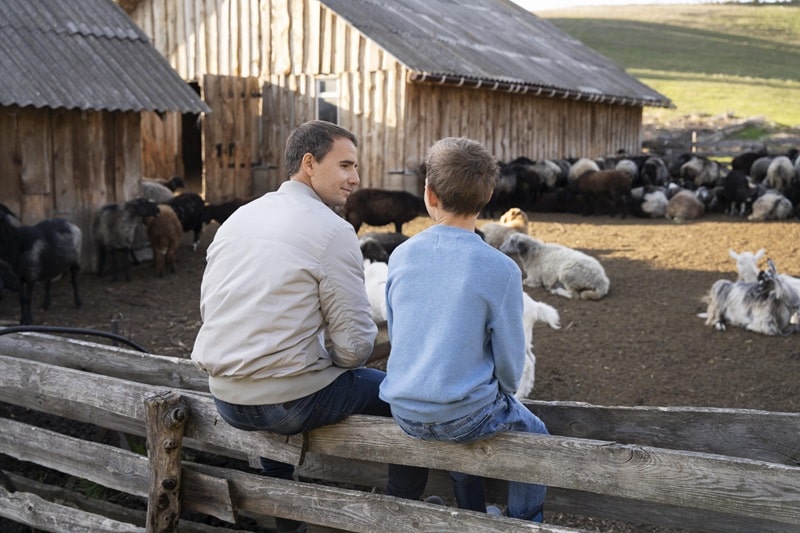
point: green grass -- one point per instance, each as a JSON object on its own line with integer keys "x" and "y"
{"x": 740, "y": 60}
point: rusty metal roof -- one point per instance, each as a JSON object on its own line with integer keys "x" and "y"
{"x": 494, "y": 44}
{"x": 85, "y": 54}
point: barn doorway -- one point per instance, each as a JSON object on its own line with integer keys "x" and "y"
{"x": 192, "y": 149}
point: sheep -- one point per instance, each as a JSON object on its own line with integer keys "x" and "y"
{"x": 559, "y": 269}
{"x": 515, "y": 220}
{"x": 41, "y": 252}
{"x": 768, "y": 305}
{"x": 700, "y": 171}
{"x": 738, "y": 193}
{"x": 378, "y": 246}
{"x": 114, "y": 229}
{"x": 779, "y": 174}
{"x": 532, "y": 312}
{"x": 758, "y": 170}
{"x": 190, "y": 208}
{"x": 684, "y": 205}
{"x": 378, "y": 207}
{"x": 605, "y": 185}
{"x": 375, "y": 274}
{"x": 220, "y": 212}
{"x": 155, "y": 191}
{"x": 580, "y": 167}
{"x": 654, "y": 172}
{"x": 747, "y": 268}
{"x": 8, "y": 278}
{"x": 772, "y": 205}
{"x": 649, "y": 201}
{"x": 745, "y": 160}
{"x": 551, "y": 175}
{"x": 164, "y": 231}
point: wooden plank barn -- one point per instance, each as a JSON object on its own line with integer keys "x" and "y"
{"x": 77, "y": 79}
{"x": 399, "y": 73}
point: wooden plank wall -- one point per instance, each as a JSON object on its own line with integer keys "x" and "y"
{"x": 59, "y": 163}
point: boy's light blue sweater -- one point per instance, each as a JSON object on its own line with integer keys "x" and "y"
{"x": 454, "y": 306}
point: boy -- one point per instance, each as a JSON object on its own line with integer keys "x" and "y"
{"x": 454, "y": 310}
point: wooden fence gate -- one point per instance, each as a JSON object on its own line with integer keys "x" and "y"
{"x": 231, "y": 136}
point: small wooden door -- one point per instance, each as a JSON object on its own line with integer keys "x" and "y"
{"x": 230, "y": 136}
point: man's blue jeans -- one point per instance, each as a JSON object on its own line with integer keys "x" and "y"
{"x": 354, "y": 392}
{"x": 506, "y": 413}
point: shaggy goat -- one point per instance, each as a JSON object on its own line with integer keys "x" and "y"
{"x": 747, "y": 268}
{"x": 41, "y": 252}
{"x": 114, "y": 228}
{"x": 378, "y": 207}
{"x": 559, "y": 269}
{"x": 769, "y": 305}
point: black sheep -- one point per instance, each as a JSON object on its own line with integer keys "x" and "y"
{"x": 378, "y": 207}
{"x": 190, "y": 208}
{"x": 40, "y": 252}
{"x": 221, "y": 211}
{"x": 737, "y": 194}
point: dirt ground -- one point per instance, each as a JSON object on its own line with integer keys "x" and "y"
{"x": 642, "y": 344}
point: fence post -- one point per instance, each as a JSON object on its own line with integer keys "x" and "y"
{"x": 165, "y": 418}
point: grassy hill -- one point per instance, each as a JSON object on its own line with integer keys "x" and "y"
{"x": 742, "y": 60}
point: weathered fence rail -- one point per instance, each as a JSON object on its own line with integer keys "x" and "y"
{"x": 691, "y": 468}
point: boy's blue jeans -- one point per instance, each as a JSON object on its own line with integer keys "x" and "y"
{"x": 354, "y": 392}
{"x": 506, "y": 413}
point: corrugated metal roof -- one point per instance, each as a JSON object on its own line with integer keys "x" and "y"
{"x": 85, "y": 54}
{"x": 493, "y": 43}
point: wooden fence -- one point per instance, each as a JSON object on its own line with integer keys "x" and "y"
{"x": 720, "y": 470}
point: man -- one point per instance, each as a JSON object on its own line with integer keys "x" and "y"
{"x": 286, "y": 321}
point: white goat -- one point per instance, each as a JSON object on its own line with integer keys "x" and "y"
{"x": 769, "y": 306}
{"x": 375, "y": 274}
{"x": 533, "y": 312}
{"x": 747, "y": 268}
{"x": 559, "y": 269}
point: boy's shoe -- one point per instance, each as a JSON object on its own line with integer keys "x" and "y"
{"x": 434, "y": 499}
{"x": 493, "y": 510}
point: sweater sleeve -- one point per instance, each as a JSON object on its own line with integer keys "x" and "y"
{"x": 344, "y": 304}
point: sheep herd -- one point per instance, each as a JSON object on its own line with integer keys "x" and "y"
{"x": 46, "y": 250}
{"x": 756, "y": 185}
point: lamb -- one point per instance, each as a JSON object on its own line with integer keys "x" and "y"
{"x": 114, "y": 229}
{"x": 768, "y": 305}
{"x": 684, "y": 205}
{"x": 378, "y": 246}
{"x": 561, "y": 270}
{"x": 532, "y": 312}
{"x": 747, "y": 268}
{"x": 190, "y": 208}
{"x": 164, "y": 231}
{"x": 515, "y": 220}
{"x": 375, "y": 274}
{"x": 378, "y": 207}
{"x": 772, "y": 205}
{"x": 41, "y": 252}
{"x": 605, "y": 185}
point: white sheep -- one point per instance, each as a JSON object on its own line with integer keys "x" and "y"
{"x": 375, "y": 274}
{"x": 779, "y": 174}
{"x": 559, "y": 269}
{"x": 747, "y": 268}
{"x": 654, "y": 203}
{"x": 532, "y": 312}
{"x": 772, "y": 205}
{"x": 581, "y": 167}
{"x": 769, "y": 306}
{"x": 515, "y": 220}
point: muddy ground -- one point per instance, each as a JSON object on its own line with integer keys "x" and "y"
{"x": 642, "y": 344}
